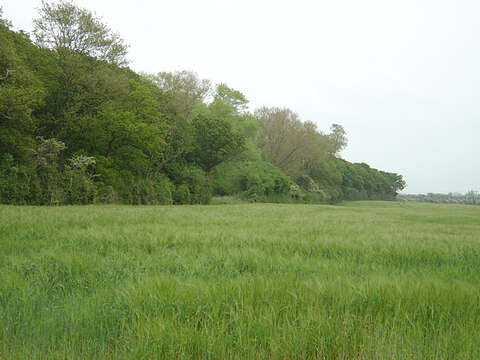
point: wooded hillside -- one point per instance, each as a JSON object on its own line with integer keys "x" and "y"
{"x": 78, "y": 126}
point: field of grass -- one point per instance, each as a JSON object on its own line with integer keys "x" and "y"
{"x": 368, "y": 280}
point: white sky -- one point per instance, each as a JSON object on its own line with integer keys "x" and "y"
{"x": 402, "y": 77}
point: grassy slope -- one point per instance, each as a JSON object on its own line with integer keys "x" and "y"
{"x": 366, "y": 280}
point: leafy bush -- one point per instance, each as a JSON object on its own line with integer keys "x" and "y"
{"x": 194, "y": 178}
{"x": 16, "y": 183}
{"x": 47, "y": 162}
{"x": 157, "y": 191}
{"x": 182, "y": 195}
{"x": 256, "y": 180}
{"x": 79, "y": 187}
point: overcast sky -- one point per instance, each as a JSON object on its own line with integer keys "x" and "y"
{"x": 402, "y": 77}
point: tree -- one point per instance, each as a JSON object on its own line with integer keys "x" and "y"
{"x": 289, "y": 143}
{"x": 338, "y": 138}
{"x": 64, "y": 26}
{"x": 21, "y": 92}
{"x": 215, "y": 141}
{"x": 77, "y": 128}
{"x": 181, "y": 93}
{"x": 47, "y": 159}
{"x": 234, "y": 98}
{"x": 78, "y": 39}
{"x": 398, "y": 184}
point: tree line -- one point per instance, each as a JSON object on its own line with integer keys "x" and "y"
{"x": 78, "y": 126}
{"x": 471, "y": 197}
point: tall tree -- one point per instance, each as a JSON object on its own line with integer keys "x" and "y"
{"x": 64, "y": 26}
{"x": 234, "y": 98}
{"x": 338, "y": 138}
{"x": 77, "y": 38}
{"x": 289, "y": 143}
{"x": 215, "y": 141}
{"x": 181, "y": 93}
{"x": 21, "y": 91}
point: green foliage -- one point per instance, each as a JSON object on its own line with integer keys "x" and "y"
{"x": 77, "y": 128}
{"x": 129, "y": 189}
{"x": 182, "y": 194}
{"x": 18, "y": 183}
{"x": 47, "y": 163}
{"x": 158, "y": 191}
{"x": 234, "y": 98}
{"x": 182, "y": 91}
{"x": 338, "y": 138}
{"x": 215, "y": 141}
{"x": 231, "y": 105}
{"x": 21, "y": 92}
{"x": 288, "y": 143}
{"x": 46, "y": 180}
{"x": 64, "y": 26}
{"x": 342, "y": 180}
{"x": 197, "y": 182}
{"x": 257, "y": 181}
{"x": 79, "y": 187}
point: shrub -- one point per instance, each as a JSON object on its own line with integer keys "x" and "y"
{"x": 156, "y": 191}
{"x": 182, "y": 195}
{"x": 194, "y": 178}
{"x": 16, "y": 183}
{"x": 78, "y": 176}
{"x": 256, "y": 180}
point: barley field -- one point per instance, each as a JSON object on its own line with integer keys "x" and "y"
{"x": 367, "y": 280}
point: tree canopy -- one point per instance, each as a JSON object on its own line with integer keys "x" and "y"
{"x": 65, "y": 26}
{"x": 78, "y": 126}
